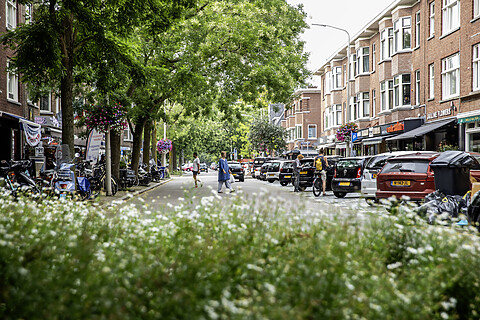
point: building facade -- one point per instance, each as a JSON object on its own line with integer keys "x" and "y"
{"x": 413, "y": 77}
{"x": 303, "y": 120}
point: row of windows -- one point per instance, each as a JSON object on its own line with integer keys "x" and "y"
{"x": 11, "y": 13}
{"x": 297, "y": 132}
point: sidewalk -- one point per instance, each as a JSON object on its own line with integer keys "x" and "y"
{"x": 124, "y": 195}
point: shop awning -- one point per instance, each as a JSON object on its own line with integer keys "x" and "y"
{"x": 370, "y": 141}
{"x": 19, "y": 118}
{"x": 341, "y": 145}
{"x": 422, "y": 130}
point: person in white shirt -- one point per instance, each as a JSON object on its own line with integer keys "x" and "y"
{"x": 196, "y": 168}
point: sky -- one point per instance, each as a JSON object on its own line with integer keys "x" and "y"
{"x": 351, "y": 15}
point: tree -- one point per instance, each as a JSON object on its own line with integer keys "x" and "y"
{"x": 267, "y": 137}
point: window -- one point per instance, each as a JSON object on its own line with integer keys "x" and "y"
{"x": 299, "y": 133}
{"x": 312, "y": 131}
{"x": 326, "y": 116}
{"x": 417, "y": 87}
{"x": 337, "y": 78}
{"x": 431, "y": 81}
{"x": 344, "y": 75}
{"x": 402, "y": 34}
{"x": 353, "y": 67}
{"x": 450, "y": 76}
{"x": 417, "y": 29}
{"x": 28, "y": 13}
{"x": 476, "y": 67}
{"x": 363, "y": 60}
{"x": 476, "y": 8}
{"x": 57, "y": 105}
{"x": 432, "y": 19}
{"x": 386, "y": 43}
{"x": 46, "y": 103}
{"x": 363, "y": 99}
{"x": 11, "y": 14}
{"x": 401, "y": 90}
{"x": 450, "y": 15}
{"x": 328, "y": 82}
{"x": 390, "y": 94}
{"x": 127, "y": 135}
{"x": 354, "y": 110}
{"x": 383, "y": 96}
{"x": 374, "y": 102}
{"x": 337, "y": 109}
{"x": 374, "y": 56}
{"x": 12, "y": 85}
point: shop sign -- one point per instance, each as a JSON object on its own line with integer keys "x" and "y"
{"x": 38, "y": 151}
{"x": 364, "y": 132}
{"x": 469, "y": 119}
{"x": 399, "y": 126}
{"x": 376, "y": 130}
{"x": 354, "y": 136}
{"x": 441, "y": 113}
{"x": 47, "y": 121}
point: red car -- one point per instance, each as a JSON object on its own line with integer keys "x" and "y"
{"x": 407, "y": 175}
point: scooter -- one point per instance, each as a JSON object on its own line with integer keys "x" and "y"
{"x": 68, "y": 184}
{"x": 16, "y": 177}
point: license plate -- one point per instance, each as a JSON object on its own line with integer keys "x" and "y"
{"x": 288, "y": 176}
{"x": 346, "y": 184}
{"x": 400, "y": 183}
{"x": 374, "y": 176}
{"x": 63, "y": 195}
{"x": 234, "y": 174}
{"x": 303, "y": 172}
{"x": 271, "y": 175}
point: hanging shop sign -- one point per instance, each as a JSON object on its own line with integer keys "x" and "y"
{"x": 437, "y": 114}
{"x": 469, "y": 119}
{"x": 93, "y": 146}
{"x": 33, "y": 133}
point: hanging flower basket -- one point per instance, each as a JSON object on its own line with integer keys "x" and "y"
{"x": 164, "y": 146}
{"x": 104, "y": 118}
{"x": 345, "y": 131}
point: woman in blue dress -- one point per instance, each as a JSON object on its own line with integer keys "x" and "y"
{"x": 224, "y": 174}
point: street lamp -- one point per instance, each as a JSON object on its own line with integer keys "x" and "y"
{"x": 346, "y": 116}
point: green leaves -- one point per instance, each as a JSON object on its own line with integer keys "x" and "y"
{"x": 266, "y": 136}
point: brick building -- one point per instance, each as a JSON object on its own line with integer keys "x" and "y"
{"x": 414, "y": 80}
{"x": 303, "y": 120}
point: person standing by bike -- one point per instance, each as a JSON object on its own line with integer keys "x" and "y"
{"x": 321, "y": 165}
{"x": 297, "y": 167}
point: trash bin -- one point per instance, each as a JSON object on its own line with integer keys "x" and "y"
{"x": 452, "y": 172}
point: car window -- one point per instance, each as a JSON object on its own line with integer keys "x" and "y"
{"x": 234, "y": 165}
{"x": 287, "y": 165}
{"x": 349, "y": 163}
{"x": 274, "y": 165}
{"x": 377, "y": 162}
{"x": 416, "y": 166}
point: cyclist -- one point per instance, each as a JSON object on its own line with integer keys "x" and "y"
{"x": 321, "y": 164}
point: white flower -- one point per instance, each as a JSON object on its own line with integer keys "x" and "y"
{"x": 254, "y": 267}
{"x": 395, "y": 265}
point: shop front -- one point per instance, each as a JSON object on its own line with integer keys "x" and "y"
{"x": 382, "y": 138}
{"x": 469, "y": 124}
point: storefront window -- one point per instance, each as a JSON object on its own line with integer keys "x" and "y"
{"x": 474, "y": 142}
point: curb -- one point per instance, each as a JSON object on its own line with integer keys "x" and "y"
{"x": 138, "y": 192}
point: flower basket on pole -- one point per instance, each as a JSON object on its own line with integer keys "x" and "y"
{"x": 164, "y": 146}
{"x": 344, "y": 134}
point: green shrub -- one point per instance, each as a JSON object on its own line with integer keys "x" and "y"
{"x": 250, "y": 259}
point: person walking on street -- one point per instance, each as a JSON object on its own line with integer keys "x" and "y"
{"x": 297, "y": 167}
{"x": 321, "y": 168}
{"x": 196, "y": 168}
{"x": 224, "y": 174}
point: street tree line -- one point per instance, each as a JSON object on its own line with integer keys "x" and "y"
{"x": 175, "y": 61}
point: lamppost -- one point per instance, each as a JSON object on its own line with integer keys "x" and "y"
{"x": 346, "y": 115}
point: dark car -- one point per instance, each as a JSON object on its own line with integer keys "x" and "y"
{"x": 307, "y": 173}
{"x": 332, "y": 161}
{"x": 257, "y": 163}
{"x": 408, "y": 175}
{"x": 237, "y": 170}
{"x": 262, "y": 175}
{"x": 348, "y": 175}
{"x": 285, "y": 173}
{"x": 203, "y": 167}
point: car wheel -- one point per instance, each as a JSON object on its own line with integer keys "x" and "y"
{"x": 270, "y": 180}
{"x": 283, "y": 183}
{"x": 339, "y": 194}
{"x": 241, "y": 179}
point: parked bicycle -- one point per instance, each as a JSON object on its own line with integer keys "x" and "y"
{"x": 17, "y": 178}
{"x": 98, "y": 180}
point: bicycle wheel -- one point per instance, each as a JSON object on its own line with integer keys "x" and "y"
{"x": 317, "y": 187}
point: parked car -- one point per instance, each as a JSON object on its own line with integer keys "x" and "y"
{"x": 332, "y": 161}
{"x": 257, "y": 163}
{"x": 407, "y": 175}
{"x": 373, "y": 166}
{"x": 187, "y": 167}
{"x": 203, "y": 167}
{"x": 213, "y": 166}
{"x": 273, "y": 170}
{"x": 307, "y": 174}
{"x": 237, "y": 170}
{"x": 262, "y": 173}
{"x": 348, "y": 175}
{"x": 285, "y": 173}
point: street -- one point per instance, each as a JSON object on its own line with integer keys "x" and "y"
{"x": 181, "y": 189}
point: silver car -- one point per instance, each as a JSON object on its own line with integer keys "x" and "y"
{"x": 374, "y": 165}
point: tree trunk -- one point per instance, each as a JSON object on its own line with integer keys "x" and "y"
{"x": 66, "y": 84}
{"x": 154, "y": 142}
{"x": 115, "y": 149}
{"x": 137, "y": 144}
{"x": 146, "y": 143}
{"x": 173, "y": 159}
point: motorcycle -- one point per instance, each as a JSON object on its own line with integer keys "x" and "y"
{"x": 144, "y": 177}
{"x": 71, "y": 182}
{"x": 16, "y": 177}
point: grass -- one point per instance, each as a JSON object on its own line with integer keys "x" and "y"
{"x": 250, "y": 259}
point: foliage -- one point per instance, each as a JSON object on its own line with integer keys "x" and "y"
{"x": 267, "y": 137}
{"x": 251, "y": 259}
{"x": 345, "y": 131}
{"x": 106, "y": 117}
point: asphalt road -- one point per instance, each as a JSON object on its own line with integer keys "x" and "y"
{"x": 181, "y": 190}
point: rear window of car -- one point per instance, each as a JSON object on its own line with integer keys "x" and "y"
{"x": 416, "y": 166}
{"x": 235, "y": 165}
{"x": 287, "y": 165}
{"x": 377, "y": 162}
{"x": 349, "y": 163}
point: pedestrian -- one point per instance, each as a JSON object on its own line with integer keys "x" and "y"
{"x": 224, "y": 173}
{"x": 196, "y": 168}
{"x": 297, "y": 167}
{"x": 321, "y": 165}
